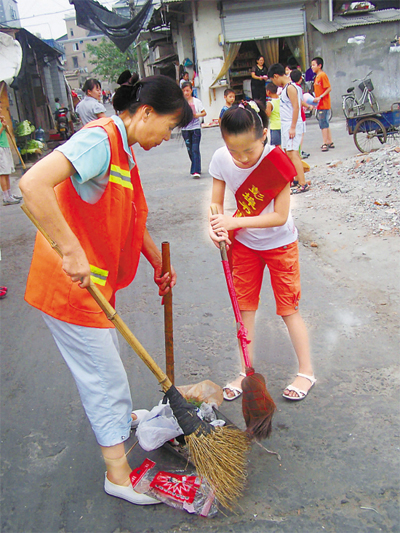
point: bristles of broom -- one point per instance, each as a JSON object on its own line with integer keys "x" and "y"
{"x": 220, "y": 457}
{"x": 257, "y": 405}
{"x": 219, "y": 454}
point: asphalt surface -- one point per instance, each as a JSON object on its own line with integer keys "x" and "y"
{"x": 338, "y": 468}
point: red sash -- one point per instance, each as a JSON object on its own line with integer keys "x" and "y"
{"x": 264, "y": 184}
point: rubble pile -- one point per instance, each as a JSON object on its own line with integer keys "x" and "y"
{"x": 371, "y": 185}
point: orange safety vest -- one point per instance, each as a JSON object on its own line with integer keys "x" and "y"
{"x": 111, "y": 233}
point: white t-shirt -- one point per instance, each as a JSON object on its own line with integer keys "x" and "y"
{"x": 197, "y": 107}
{"x": 223, "y": 168}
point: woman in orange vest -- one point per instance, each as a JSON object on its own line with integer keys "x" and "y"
{"x": 88, "y": 197}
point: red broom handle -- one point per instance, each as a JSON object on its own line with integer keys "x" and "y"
{"x": 242, "y": 331}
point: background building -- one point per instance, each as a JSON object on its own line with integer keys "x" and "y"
{"x": 9, "y": 15}
{"x": 76, "y": 59}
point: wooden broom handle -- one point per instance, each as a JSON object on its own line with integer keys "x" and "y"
{"x": 15, "y": 146}
{"x": 111, "y": 314}
{"x": 168, "y": 318}
{"x": 222, "y": 244}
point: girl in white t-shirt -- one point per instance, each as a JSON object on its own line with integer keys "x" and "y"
{"x": 192, "y": 132}
{"x": 268, "y": 239}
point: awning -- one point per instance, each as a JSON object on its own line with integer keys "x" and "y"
{"x": 120, "y": 30}
{"x": 341, "y": 23}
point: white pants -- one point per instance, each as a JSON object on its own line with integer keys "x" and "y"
{"x": 92, "y": 355}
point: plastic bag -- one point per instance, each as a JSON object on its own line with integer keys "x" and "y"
{"x": 205, "y": 391}
{"x": 176, "y": 489}
{"x": 157, "y": 427}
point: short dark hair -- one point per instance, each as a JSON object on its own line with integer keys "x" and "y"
{"x": 186, "y": 84}
{"x": 276, "y": 68}
{"x": 271, "y": 87}
{"x": 319, "y": 61}
{"x": 160, "y": 92}
{"x": 243, "y": 118}
{"x": 228, "y": 91}
{"x": 295, "y": 75}
{"x": 90, "y": 84}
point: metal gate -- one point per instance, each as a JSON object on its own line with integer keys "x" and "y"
{"x": 248, "y": 21}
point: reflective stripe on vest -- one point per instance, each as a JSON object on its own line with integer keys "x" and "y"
{"x": 120, "y": 176}
{"x": 98, "y": 275}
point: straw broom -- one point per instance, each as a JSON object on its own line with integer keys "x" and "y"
{"x": 219, "y": 454}
{"x": 257, "y": 404}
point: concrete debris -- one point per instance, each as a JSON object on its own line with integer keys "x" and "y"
{"x": 371, "y": 183}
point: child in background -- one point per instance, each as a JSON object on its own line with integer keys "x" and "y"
{"x": 192, "y": 132}
{"x": 322, "y": 88}
{"x": 296, "y": 77}
{"x": 267, "y": 238}
{"x": 273, "y": 114}
{"x": 184, "y": 79}
{"x": 291, "y": 123}
{"x": 229, "y": 95}
{"x": 6, "y": 164}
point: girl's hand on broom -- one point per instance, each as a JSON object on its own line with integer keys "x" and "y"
{"x": 222, "y": 235}
{"x": 221, "y": 223}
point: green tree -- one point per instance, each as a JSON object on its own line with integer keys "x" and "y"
{"x": 109, "y": 61}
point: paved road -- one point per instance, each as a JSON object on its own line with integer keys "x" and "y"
{"x": 338, "y": 467}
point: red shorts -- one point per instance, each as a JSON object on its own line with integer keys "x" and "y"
{"x": 284, "y": 269}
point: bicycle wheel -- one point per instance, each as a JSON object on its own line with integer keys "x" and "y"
{"x": 373, "y": 102}
{"x": 350, "y": 108}
{"x": 369, "y": 135}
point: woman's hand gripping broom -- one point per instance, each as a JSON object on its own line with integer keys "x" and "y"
{"x": 257, "y": 405}
{"x": 219, "y": 454}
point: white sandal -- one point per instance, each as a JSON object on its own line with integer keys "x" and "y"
{"x": 301, "y": 393}
{"x": 237, "y": 391}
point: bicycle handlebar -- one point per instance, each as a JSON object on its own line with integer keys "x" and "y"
{"x": 364, "y": 78}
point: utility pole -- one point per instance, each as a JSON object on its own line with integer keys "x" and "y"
{"x": 131, "y": 4}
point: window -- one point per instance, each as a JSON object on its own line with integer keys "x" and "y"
{"x": 84, "y": 55}
{"x": 75, "y": 62}
{"x": 72, "y": 33}
{"x": 76, "y": 47}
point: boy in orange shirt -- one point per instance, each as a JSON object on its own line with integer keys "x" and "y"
{"x": 322, "y": 88}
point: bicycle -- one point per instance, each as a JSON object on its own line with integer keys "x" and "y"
{"x": 352, "y": 106}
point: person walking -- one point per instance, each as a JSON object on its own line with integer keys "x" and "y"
{"x": 87, "y": 195}
{"x": 91, "y": 108}
{"x": 192, "y": 132}
{"x": 6, "y": 164}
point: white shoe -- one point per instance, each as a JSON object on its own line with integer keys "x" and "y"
{"x": 127, "y": 493}
{"x": 139, "y": 416}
